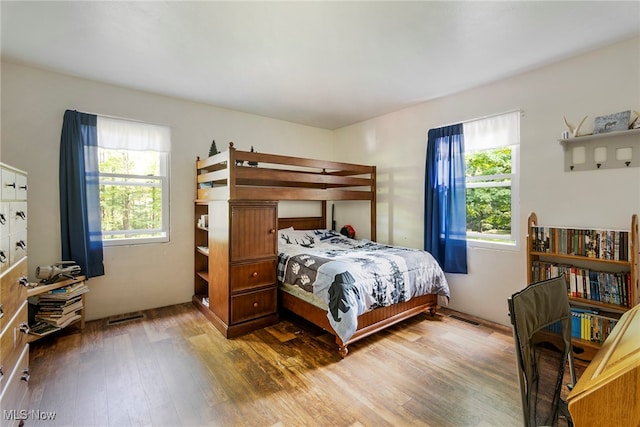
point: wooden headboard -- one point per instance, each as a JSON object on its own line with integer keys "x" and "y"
{"x": 303, "y": 223}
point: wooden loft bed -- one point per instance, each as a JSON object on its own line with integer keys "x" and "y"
{"x": 229, "y": 176}
{"x": 233, "y": 175}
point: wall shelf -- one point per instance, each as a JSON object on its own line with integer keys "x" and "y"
{"x": 602, "y": 151}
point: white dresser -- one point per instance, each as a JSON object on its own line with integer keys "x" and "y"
{"x": 14, "y": 327}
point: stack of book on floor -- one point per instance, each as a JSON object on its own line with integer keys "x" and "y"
{"x": 58, "y": 308}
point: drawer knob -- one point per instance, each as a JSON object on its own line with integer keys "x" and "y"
{"x": 3, "y": 257}
{"x": 254, "y": 274}
{"x": 13, "y": 184}
{"x": 26, "y": 375}
{"x": 272, "y": 231}
{"x": 24, "y": 328}
{"x": 21, "y": 244}
{"x": 3, "y": 219}
{"x": 1, "y": 311}
{"x": 21, "y": 215}
{"x": 23, "y": 187}
{"x": 255, "y": 304}
{"x": 24, "y": 281}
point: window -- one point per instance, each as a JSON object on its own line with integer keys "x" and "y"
{"x": 134, "y": 181}
{"x": 491, "y": 161}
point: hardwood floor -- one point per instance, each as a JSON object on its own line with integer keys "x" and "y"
{"x": 173, "y": 368}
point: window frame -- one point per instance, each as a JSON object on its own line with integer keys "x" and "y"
{"x": 482, "y": 240}
{"x": 162, "y": 182}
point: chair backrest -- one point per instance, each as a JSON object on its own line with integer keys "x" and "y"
{"x": 541, "y": 319}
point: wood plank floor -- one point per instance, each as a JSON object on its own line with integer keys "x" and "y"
{"x": 174, "y": 369}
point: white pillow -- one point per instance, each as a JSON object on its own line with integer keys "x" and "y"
{"x": 297, "y": 237}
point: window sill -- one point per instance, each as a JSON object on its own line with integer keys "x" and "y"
{"x": 133, "y": 242}
{"x": 500, "y": 246}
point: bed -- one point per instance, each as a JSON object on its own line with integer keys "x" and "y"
{"x": 236, "y": 175}
{"x": 357, "y": 286}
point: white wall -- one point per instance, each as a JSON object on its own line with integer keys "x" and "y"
{"x": 143, "y": 276}
{"x": 601, "y": 82}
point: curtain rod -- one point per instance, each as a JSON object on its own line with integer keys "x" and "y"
{"x": 484, "y": 117}
{"x": 124, "y": 119}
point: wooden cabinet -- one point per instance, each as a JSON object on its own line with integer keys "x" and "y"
{"x": 601, "y": 270}
{"x": 14, "y": 328}
{"x": 235, "y": 263}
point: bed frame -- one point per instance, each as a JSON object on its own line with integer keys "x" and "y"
{"x": 242, "y": 175}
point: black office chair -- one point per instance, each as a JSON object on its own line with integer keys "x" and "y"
{"x": 541, "y": 320}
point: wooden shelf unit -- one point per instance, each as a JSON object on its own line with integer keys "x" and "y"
{"x": 585, "y": 349}
{"x": 201, "y": 257}
{"x": 235, "y": 260}
{"x": 43, "y": 289}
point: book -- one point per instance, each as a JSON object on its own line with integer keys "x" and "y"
{"x": 61, "y": 321}
{"x": 43, "y": 328}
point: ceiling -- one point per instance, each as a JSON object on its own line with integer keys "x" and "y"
{"x": 318, "y": 63}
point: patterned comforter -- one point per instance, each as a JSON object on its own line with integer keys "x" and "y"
{"x": 355, "y": 276}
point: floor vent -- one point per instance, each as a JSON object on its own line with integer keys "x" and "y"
{"x": 469, "y": 321}
{"x": 125, "y": 318}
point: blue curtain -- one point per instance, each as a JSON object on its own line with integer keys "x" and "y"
{"x": 445, "y": 231}
{"x": 80, "y": 226}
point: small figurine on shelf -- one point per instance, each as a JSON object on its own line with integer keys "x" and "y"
{"x": 635, "y": 124}
{"x": 253, "y": 164}
{"x": 213, "y": 150}
{"x": 574, "y": 131}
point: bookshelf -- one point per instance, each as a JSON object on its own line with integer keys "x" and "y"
{"x": 201, "y": 267}
{"x": 601, "y": 271}
{"x": 55, "y": 306}
{"x": 236, "y": 253}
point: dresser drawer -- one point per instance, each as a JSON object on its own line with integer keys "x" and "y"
{"x": 5, "y": 219}
{"x": 13, "y": 291}
{"x": 249, "y": 276}
{"x": 18, "y": 246}
{"x": 251, "y": 305}
{"x": 7, "y": 184}
{"x": 21, "y": 186}
{"x": 15, "y": 386}
{"x": 5, "y": 253}
{"x": 17, "y": 216}
{"x": 13, "y": 339}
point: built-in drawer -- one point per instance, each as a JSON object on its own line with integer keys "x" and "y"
{"x": 13, "y": 395}
{"x": 251, "y": 305}
{"x": 13, "y": 339}
{"x": 254, "y": 275}
{"x": 13, "y": 291}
